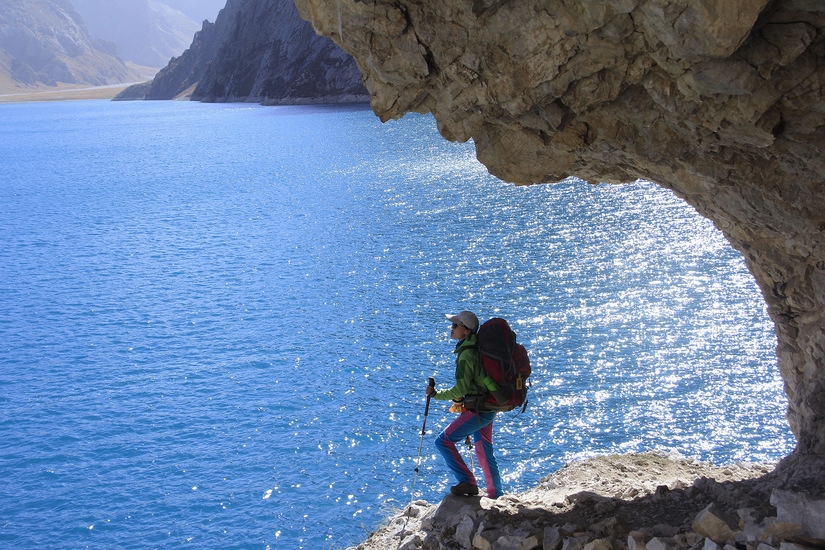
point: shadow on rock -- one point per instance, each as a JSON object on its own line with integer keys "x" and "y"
{"x": 585, "y": 507}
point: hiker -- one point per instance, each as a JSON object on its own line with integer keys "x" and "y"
{"x": 469, "y": 375}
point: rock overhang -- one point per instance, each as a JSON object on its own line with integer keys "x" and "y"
{"x": 720, "y": 101}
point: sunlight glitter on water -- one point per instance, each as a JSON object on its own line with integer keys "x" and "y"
{"x": 257, "y": 321}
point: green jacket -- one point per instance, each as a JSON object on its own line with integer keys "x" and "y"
{"x": 469, "y": 374}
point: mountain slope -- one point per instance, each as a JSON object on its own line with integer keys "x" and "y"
{"x": 45, "y": 42}
{"x": 146, "y": 32}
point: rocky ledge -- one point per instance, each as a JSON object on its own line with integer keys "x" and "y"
{"x": 638, "y": 502}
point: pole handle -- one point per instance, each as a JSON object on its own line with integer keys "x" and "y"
{"x": 431, "y": 383}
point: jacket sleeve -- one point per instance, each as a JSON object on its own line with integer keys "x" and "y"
{"x": 465, "y": 373}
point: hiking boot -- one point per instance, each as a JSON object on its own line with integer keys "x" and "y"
{"x": 464, "y": 489}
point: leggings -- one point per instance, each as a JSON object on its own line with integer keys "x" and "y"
{"x": 480, "y": 426}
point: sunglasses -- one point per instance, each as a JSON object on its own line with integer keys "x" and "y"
{"x": 456, "y": 325}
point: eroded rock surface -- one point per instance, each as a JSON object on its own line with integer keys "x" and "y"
{"x": 627, "y": 502}
{"x": 721, "y": 101}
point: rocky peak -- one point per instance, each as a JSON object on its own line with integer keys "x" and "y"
{"x": 259, "y": 51}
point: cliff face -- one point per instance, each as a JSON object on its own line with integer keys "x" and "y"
{"x": 183, "y": 72}
{"x": 721, "y": 101}
{"x": 269, "y": 54}
{"x": 261, "y": 51}
{"x": 44, "y": 42}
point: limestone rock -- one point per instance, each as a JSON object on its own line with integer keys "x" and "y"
{"x": 575, "y": 542}
{"x": 715, "y": 525}
{"x": 464, "y": 532}
{"x": 412, "y": 542}
{"x": 660, "y": 543}
{"x": 802, "y": 509}
{"x": 719, "y": 101}
{"x": 533, "y": 519}
{"x": 599, "y": 544}
{"x": 636, "y": 541}
{"x": 552, "y": 538}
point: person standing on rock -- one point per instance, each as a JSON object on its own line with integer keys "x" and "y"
{"x": 469, "y": 376}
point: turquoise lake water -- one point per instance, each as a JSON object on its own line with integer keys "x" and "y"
{"x": 217, "y": 321}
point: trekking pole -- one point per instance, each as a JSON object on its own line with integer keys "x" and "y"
{"x": 431, "y": 383}
{"x": 470, "y": 450}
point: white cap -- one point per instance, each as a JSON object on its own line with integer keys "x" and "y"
{"x": 465, "y": 318}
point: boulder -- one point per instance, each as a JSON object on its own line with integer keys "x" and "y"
{"x": 715, "y": 524}
{"x": 464, "y": 532}
{"x": 802, "y": 509}
{"x": 552, "y": 538}
{"x": 636, "y": 541}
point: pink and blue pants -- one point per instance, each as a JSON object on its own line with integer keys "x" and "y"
{"x": 480, "y": 426}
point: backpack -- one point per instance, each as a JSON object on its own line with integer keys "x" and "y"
{"x": 506, "y": 362}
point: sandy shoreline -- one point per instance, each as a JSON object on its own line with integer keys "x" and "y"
{"x": 64, "y": 94}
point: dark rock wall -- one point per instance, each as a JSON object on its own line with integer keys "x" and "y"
{"x": 269, "y": 54}
{"x": 185, "y": 71}
{"x": 261, "y": 51}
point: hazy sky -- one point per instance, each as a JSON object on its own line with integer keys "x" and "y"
{"x": 197, "y": 9}
{"x": 147, "y": 32}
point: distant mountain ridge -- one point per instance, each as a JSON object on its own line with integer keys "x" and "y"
{"x": 45, "y": 42}
{"x": 198, "y": 10}
{"x": 147, "y": 32}
{"x": 258, "y": 51}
